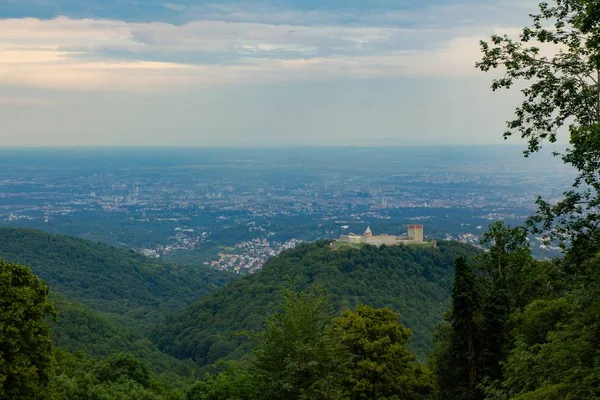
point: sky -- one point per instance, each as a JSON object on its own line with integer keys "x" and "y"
{"x": 251, "y": 73}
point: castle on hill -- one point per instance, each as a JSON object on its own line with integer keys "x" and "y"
{"x": 414, "y": 236}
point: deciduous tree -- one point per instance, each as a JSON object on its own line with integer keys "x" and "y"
{"x": 26, "y": 357}
{"x": 297, "y": 357}
{"x": 558, "y": 56}
{"x": 381, "y": 366}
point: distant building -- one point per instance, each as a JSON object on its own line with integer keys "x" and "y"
{"x": 415, "y": 236}
{"x": 415, "y": 232}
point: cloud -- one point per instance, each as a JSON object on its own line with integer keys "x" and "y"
{"x": 406, "y": 13}
{"x": 27, "y": 101}
{"x": 89, "y": 54}
{"x": 248, "y": 43}
{"x": 292, "y": 71}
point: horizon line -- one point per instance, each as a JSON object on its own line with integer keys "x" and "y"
{"x": 259, "y": 146}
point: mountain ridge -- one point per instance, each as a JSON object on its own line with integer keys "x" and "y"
{"x": 130, "y": 287}
{"x": 416, "y": 282}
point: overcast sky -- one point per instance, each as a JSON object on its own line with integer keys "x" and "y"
{"x": 282, "y": 72}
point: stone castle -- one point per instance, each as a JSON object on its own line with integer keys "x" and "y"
{"x": 414, "y": 236}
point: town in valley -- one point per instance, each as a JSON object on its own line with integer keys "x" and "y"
{"x": 233, "y": 209}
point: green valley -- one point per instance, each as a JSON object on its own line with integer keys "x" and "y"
{"x": 415, "y": 282}
{"x": 134, "y": 290}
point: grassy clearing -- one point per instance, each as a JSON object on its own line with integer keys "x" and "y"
{"x": 425, "y": 245}
{"x": 344, "y": 245}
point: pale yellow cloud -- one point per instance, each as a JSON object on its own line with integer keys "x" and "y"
{"x": 76, "y": 54}
{"x": 33, "y": 56}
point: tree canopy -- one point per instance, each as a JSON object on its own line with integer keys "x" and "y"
{"x": 305, "y": 353}
{"x": 535, "y": 332}
{"x": 558, "y": 55}
{"x": 133, "y": 289}
{"x": 381, "y": 367}
{"x": 26, "y": 358}
{"x": 415, "y": 282}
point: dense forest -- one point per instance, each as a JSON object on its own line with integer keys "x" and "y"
{"x": 515, "y": 330}
{"x": 128, "y": 287}
{"x": 416, "y": 282}
{"x": 102, "y": 302}
{"x": 106, "y": 299}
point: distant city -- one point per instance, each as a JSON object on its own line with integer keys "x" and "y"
{"x": 232, "y": 209}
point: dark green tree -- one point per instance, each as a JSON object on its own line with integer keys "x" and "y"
{"x": 554, "y": 349}
{"x": 297, "y": 357}
{"x": 493, "y": 334}
{"x": 381, "y": 366}
{"x": 465, "y": 347}
{"x": 503, "y": 269}
{"x": 556, "y": 352}
{"x": 26, "y": 355}
{"x": 122, "y": 367}
{"x": 476, "y": 338}
{"x": 235, "y": 382}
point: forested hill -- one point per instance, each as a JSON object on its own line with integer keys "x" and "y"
{"x": 416, "y": 282}
{"x": 79, "y": 328}
{"x": 135, "y": 289}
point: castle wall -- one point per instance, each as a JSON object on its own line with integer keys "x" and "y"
{"x": 415, "y": 233}
{"x": 354, "y": 239}
{"x": 379, "y": 240}
{"x": 415, "y": 236}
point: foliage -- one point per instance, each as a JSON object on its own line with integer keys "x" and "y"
{"x": 534, "y": 337}
{"x": 381, "y": 367}
{"x": 26, "y": 360}
{"x": 465, "y": 344}
{"x": 120, "y": 377}
{"x": 297, "y": 356}
{"x": 123, "y": 366}
{"x": 475, "y": 342}
{"x": 457, "y": 366}
{"x": 556, "y": 344}
{"x": 134, "y": 290}
{"x": 304, "y": 353}
{"x": 559, "y": 55}
{"x": 550, "y": 347}
{"x": 233, "y": 382}
{"x": 79, "y": 328}
{"x": 414, "y": 282}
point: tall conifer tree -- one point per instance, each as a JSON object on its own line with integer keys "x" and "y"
{"x": 465, "y": 344}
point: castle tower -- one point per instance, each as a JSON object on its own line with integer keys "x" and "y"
{"x": 415, "y": 232}
{"x": 368, "y": 232}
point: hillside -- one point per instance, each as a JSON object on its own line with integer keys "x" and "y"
{"x": 134, "y": 290}
{"x": 79, "y": 328}
{"x": 416, "y": 282}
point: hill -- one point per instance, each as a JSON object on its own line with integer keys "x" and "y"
{"x": 120, "y": 284}
{"x": 416, "y": 282}
{"x": 79, "y": 328}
